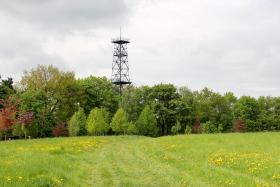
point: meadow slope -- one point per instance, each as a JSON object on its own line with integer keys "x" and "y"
{"x": 251, "y": 159}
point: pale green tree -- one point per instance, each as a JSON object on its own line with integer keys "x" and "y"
{"x": 98, "y": 122}
{"x": 147, "y": 122}
{"x": 120, "y": 123}
{"x": 77, "y": 123}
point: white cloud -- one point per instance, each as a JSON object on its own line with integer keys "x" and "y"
{"x": 225, "y": 45}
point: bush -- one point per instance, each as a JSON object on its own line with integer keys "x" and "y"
{"x": 147, "y": 123}
{"x": 197, "y": 127}
{"x": 32, "y": 130}
{"x": 26, "y": 120}
{"x": 120, "y": 122}
{"x": 131, "y": 128}
{"x": 220, "y": 128}
{"x": 98, "y": 122}
{"x": 209, "y": 127}
{"x": 238, "y": 126}
{"x": 176, "y": 128}
{"x": 252, "y": 125}
{"x": 188, "y": 130}
{"x": 17, "y": 131}
{"x": 60, "y": 130}
{"x": 77, "y": 123}
{"x": 7, "y": 116}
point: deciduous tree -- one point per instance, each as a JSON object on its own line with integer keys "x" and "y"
{"x": 147, "y": 122}
{"x": 59, "y": 87}
{"x": 98, "y": 122}
{"x": 77, "y": 123}
{"x": 120, "y": 123}
{"x": 7, "y": 116}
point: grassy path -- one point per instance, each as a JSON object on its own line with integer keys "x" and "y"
{"x": 195, "y": 160}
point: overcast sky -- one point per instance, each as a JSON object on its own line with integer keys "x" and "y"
{"x": 226, "y": 45}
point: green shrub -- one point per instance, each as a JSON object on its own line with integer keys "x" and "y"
{"x": 17, "y": 131}
{"x": 209, "y": 127}
{"x": 188, "y": 130}
{"x": 98, "y": 122}
{"x": 220, "y": 128}
{"x": 77, "y": 123}
{"x": 131, "y": 128}
{"x": 251, "y": 125}
{"x": 147, "y": 123}
{"x": 176, "y": 128}
{"x": 31, "y": 130}
{"x": 120, "y": 122}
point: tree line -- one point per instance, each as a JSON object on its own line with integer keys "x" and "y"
{"x": 50, "y": 102}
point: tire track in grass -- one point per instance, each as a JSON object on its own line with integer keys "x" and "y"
{"x": 138, "y": 162}
{"x": 151, "y": 170}
{"x": 172, "y": 172}
{"x": 132, "y": 169}
{"x": 124, "y": 168}
{"x": 109, "y": 165}
{"x": 104, "y": 167}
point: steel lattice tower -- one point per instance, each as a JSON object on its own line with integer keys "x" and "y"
{"x": 120, "y": 67}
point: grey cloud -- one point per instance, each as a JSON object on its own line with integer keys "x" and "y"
{"x": 18, "y": 54}
{"x": 67, "y": 14}
{"x": 225, "y": 45}
{"x": 27, "y": 26}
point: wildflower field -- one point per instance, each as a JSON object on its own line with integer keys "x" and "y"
{"x": 250, "y": 159}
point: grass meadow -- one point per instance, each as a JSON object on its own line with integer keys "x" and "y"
{"x": 249, "y": 159}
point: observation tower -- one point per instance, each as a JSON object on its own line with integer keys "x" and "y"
{"x": 120, "y": 67}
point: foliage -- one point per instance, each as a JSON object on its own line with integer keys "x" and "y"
{"x": 220, "y": 128}
{"x": 209, "y": 127}
{"x": 60, "y": 130}
{"x": 211, "y": 106}
{"x": 131, "y": 128}
{"x": 269, "y": 116}
{"x": 97, "y": 92}
{"x": 7, "y": 115}
{"x": 188, "y": 130}
{"x": 164, "y": 98}
{"x": 239, "y": 126}
{"x": 176, "y": 128}
{"x": 25, "y": 120}
{"x": 59, "y": 88}
{"x": 37, "y": 102}
{"x": 188, "y": 107}
{"x": 77, "y": 123}
{"x": 17, "y": 131}
{"x": 120, "y": 122}
{"x": 134, "y": 99}
{"x": 247, "y": 109}
{"x": 98, "y": 121}
{"x": 197, "y": 128}
{"x": 54, "y": 96}
{"x": 6, "y": 88}
{"x": 7, "y": 119}
{"x": 147, "y": 123}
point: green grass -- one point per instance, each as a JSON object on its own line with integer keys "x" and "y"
{"x": 251, "y": 159}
